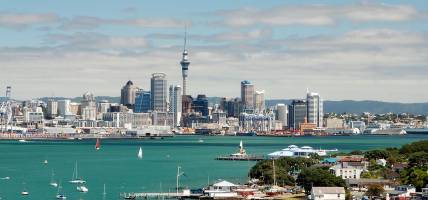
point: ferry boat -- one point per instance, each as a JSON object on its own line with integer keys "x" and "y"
{"x": 295, "y": 151}
{"x": 417, "y": 130}
{"x": 250, "y": 133}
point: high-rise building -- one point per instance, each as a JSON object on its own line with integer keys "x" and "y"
{"x": 297, "y": 113}
{"x": 247, "y": 96}
{"x": 88, "y": 107}
{"x": 281, "y": 114}
{"x": 127, "y": 94}
{"x": 259, "y": 102}
{"x": 64, "y": 107}
{"x": 52, "y": 108}
{"x": 315, "y": 112}
{"x": 185, "y": 65}
{"x": 159, "y": 92}
{"x": 142, "y": 101}
{"x": 232, "y": 107}
{"x": 103, "y": 106}
{"x": 175, "y": 103}
{"x": 200, "y": 104}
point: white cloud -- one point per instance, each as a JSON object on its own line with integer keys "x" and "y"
{"x": 317, "y": 15}
{"x": 24, "y": 20}
{"x": 87, "y": 22}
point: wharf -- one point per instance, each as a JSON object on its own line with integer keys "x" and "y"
{"x": 242, "y": 158}
{"x": 157, "y": 195}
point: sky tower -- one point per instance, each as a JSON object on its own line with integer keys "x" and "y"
{"x": 184, "y": 64}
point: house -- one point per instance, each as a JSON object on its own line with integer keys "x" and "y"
{"x": 349, "y": 167}
{"x": 327, "y": 193}
{"x": 381, "y": 162}
{"x": 425, "y": 193}
{"x": 363, "y": 184}
{"x": 402, "y": 192}
{"x": 222, "y": 189}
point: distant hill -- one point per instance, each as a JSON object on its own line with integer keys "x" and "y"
{"x": 351, "y": 106}
{"x": 348, "y": 106}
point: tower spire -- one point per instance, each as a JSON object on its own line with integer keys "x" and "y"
{"x": 185, "y": 37}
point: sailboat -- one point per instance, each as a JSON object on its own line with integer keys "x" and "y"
{"x": 82, "y": 188}
{"x": 24, "y": 191}
{"x": 74, "y": 178}
{"x": 104, "y": 191}
{"x": 59, "y": 195}
{"x": 140, "y": 153}
{"x": 98, "y": 145}
{"x": 53, "y": 182}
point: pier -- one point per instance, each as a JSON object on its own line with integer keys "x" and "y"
{"x": 157, "y": 195}
{"x": 241, "y": 158}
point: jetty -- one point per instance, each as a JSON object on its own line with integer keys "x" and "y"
{"x": 157, "y": 195}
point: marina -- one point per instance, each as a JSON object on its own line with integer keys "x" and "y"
{"x": 117, "y": 166}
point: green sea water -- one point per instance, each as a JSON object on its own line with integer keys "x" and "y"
{"x": 116, "y": 164}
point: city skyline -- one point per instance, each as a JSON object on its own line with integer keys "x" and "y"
{"x": 348, "y": 50}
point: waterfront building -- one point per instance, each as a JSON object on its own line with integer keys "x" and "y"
{"x": 162, "y": 118}
{"x": 219, "y": 117}
{"x": 159, "y": 92}
{"x": 142, "y": 101}
{"x": 103, "y": 106}
{"x": 52, "y": 109}
{"x": 75, "y": 108}
{"x": 255, "y": 122}
{"x": 127, "y": 120}
{"x": 127, "y": 94}
{"x": 185, "y": 65}
{"x": 232, "y": 107}
{"x": 175, "y": 101}
{"x": 327, "y": 193}
{"x": 193, "y": 119}
{"x": 247, "y": 96}
{"x": 282, "y": 114}
{"x": 314, "y": 108}
{"x": 64, "y": 107}
{"x": 200, "y": 104}
{"x": 297, "y": 113}
{"x": 187, "y": 101}
{"x": 259, "y": 102}
{"x": 334, "y": 123}
{"x": 358, "y": 124}
{"x": 33, "y": 117}
{"x": 88, "y": 107}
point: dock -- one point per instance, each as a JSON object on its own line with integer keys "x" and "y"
{"x": 158, "y": 195}
{"x": 242, "y": 158}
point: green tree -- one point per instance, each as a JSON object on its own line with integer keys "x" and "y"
{"x": 284, "y": 167}
{"x": 415, "y": 147}
{"x": 415, "y": 176}
{"x": 316, "y": 176}
{"x": 418, "y": 159}
{"x": 376, "y": 154}
{"x": 375, "y": 190}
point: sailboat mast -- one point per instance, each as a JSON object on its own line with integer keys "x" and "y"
{"x": 274, "y": 174}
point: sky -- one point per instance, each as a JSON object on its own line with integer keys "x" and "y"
{"x": 344, "y": 50}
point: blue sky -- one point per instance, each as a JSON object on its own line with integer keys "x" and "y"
{"x": 342, "y": 49}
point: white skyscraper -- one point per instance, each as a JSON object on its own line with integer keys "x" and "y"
{"x": 159, "y": 94}
{"x": 64, "y": 107}
{"x": 88, "y": 107}
{"x": 175, "y": 101}
{"x": 259, "y": 102}
{"x": 282, "y": 113}
{"x": 315, "y": 111}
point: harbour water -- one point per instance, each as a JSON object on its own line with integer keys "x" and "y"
{"x": 116, "y": 164}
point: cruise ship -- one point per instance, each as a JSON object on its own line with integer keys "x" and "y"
{"x": 295, "y": 151}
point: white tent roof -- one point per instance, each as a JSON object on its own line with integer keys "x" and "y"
{"x": 224, "y": 184}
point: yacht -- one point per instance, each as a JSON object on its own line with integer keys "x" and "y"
{"x": 295, "y": 151}
{"x": 74, "y": 178}
{"x": 25, "y": 193}
{"x": 82, "y": 188}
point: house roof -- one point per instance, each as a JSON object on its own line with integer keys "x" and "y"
{"x": 328, "y": 190}
{"x": 224, "y": 184}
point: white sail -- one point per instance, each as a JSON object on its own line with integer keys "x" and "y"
{"x": 140, "y": 153}
{"x": 241, "y": 145}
